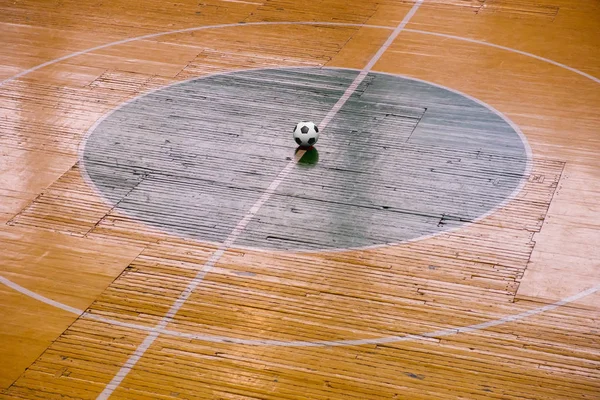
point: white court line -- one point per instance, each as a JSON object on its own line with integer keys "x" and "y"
{"x": 388, "y": 339}
{"x": 310, "y": 23}
{"x": 549, "y": 61}
{"x": 39, "y": 297}
{"x": 186, "y": 30}
{"x": 297, "y": 343}
{"x": 365, "y": 71}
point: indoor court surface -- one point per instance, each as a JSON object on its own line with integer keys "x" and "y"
{"x": 162, "y": 236}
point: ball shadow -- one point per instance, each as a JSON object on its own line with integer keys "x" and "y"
{"x": 310, "y": 158}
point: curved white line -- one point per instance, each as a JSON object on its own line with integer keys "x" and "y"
{"x": 389, "y": 339}
{"x": 311, "y": 23}
{"x": 298, "y": 343}
{"x": 194, "y": 29}
{"x": 39, "y": 297}
{"x": 524, "y": 53}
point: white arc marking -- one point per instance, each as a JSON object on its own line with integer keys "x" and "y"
{"x": 298, "y": 343}
{"x": 39, "y": 297}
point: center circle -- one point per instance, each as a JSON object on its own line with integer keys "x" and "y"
{"x": 401, "y": 160}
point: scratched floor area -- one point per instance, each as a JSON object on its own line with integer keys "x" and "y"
{"x": 437, "y": 243}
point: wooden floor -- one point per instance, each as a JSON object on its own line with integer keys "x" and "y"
{"x": 109, "y": 290}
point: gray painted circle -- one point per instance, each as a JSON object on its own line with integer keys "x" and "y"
{"x": 401, "y": 160}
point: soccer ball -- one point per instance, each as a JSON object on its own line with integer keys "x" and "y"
{"x": 306, "y": 134}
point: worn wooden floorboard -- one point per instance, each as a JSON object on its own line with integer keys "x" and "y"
{"x": 453, "y": 196}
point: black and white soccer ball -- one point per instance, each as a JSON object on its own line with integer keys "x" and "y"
{"x": 306, "y": 134}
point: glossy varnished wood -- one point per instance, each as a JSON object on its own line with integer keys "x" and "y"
{"x": 61, "y": 240}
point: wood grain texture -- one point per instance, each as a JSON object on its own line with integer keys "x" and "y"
{"x": 60, "y": 239}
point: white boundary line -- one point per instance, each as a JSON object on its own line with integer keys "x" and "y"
{"x": 365, "y": 71}
{"x": 39, "y": 297}
{"x": 241, "y": 226}
{"x": 187, "y": 30}
{"x": 524, "y": 53}
{"x": 298, "y": 343}
{"x": 210, "y": 338}
{"x": 311, "y": 23}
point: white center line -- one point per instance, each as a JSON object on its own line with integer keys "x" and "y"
{"x": 365, "y": 71}
{"x": 241, "y": 226}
